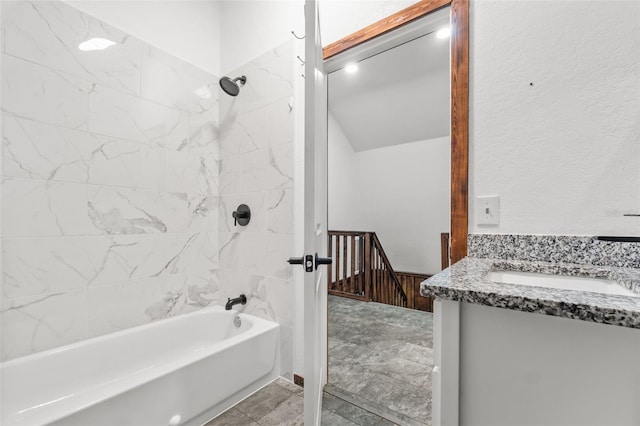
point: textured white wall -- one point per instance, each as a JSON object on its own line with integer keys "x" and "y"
{"x": 563, "y": 153}
{"x": 188, "y": 29}
{"x": 401, "y": 192}
{"x": 347, "y": 207}
{"x": 406, "y": 196}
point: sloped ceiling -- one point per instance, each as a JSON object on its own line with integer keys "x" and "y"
{"x": 398, "y": 96}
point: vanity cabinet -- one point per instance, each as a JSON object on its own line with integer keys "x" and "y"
{"x": 496, "y": 366}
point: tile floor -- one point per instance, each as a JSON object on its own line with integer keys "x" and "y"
{"x": 281, "y": 403}
{"x": 380, "y": 361}
{"x": 380, "y": 358}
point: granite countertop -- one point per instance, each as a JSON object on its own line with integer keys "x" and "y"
{"x": 466, "y": 281}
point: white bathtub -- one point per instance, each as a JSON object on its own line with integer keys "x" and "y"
{"x": 193, "y": 366}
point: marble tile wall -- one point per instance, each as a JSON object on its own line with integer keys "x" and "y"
{"x": 109, "y": 183}
{"x": 257, "y": 169}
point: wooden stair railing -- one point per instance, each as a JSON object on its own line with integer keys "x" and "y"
{"x": 361, "y": 269}
{"x": 348, "y": 274}
{"x": 386, "y": 285}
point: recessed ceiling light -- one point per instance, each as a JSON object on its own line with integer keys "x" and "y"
{"x": 95, "y": 44}
{"x": 351, "y": 68}
{"x": 443, "y": 33}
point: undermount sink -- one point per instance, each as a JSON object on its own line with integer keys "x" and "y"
{"x": 595, "y": 285}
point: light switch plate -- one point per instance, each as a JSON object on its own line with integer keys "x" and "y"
{"x": 488, "y": 210}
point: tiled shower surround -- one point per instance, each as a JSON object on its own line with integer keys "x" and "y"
{"x": 112, "y": 177}
{"x": 257, "y": 169}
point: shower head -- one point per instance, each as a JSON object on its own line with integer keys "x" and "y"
{"x": 232, "y": 87}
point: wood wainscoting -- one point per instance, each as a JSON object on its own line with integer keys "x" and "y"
{"x": 410, "y": 283}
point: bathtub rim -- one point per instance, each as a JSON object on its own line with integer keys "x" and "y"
{"x": 65, "y": 405}
{"x": 113, "y": 334}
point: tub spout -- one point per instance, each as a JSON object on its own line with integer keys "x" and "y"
{"x": 238, "y": 300}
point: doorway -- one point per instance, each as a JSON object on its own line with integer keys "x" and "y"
{"x": 389, "y": 207}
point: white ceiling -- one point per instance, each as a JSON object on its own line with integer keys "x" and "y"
{"x": 339, "y": 18}
{"x": 398, "y": 96}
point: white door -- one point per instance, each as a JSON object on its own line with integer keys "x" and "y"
{"x": 315, "y": 221}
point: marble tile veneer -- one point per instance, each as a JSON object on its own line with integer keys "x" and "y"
{"x": 118, "y": 183}
{"x": 256, "y": 168}
{"x": 109, "y": 181}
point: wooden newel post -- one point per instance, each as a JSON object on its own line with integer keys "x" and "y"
{"x": 444, "y": 250}
{"x": 368, "y": 267}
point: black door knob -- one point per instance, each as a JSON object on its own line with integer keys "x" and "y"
{"x": 323, "y": 260}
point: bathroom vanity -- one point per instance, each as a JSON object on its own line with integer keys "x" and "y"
{"x": 537, "y": 330}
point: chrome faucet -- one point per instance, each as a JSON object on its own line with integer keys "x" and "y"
{"x": 242, "y": 300}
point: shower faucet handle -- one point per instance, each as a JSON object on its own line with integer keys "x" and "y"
{"x": 239, "y": 215}
{"x": 242, "y": 215}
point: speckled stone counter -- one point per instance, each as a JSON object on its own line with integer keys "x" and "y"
{"x": 466, "y": 281}
{"x": 581, "y": 250}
